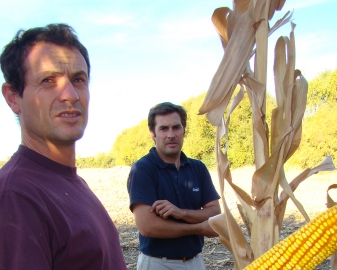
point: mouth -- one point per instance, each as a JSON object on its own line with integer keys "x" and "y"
{"x": 171, "y": 143}
{"x": 69, "y": 114}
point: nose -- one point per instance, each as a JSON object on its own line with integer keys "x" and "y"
{"x": 68, "y": 92}
{"x": 171, "y": 134}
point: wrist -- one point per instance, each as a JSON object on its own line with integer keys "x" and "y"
{"x": 185, "y": 214}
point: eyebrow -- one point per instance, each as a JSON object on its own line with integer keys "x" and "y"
{"x": 173, "y": 126}
{"x": 79, "y": 72}
{"x": 57, "y": 72}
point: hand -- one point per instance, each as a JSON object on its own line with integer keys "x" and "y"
{"x": 165, "y": 209}
{"x": 206, "y": 230}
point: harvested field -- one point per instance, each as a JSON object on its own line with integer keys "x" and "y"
{"x": 110, "y": 186}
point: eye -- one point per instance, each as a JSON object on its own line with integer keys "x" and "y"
{"x": 47, "y": 80}
{"x": 80, "y": 80}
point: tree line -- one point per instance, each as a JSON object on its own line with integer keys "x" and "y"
{"x": 319, "y": 134}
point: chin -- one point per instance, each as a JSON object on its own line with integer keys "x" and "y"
{"x": 69, "y": 137}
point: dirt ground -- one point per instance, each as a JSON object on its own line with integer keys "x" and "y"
{"x": 110, "y": 186}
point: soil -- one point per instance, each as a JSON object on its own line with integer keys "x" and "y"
{"x": 110, "y": 186}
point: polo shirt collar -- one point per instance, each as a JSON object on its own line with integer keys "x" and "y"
{"x": 162, "y": 164}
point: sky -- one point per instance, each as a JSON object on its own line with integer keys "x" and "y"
{"x": 144, "y": 52}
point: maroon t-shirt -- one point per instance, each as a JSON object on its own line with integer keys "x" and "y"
{"x": 50, "y": 219}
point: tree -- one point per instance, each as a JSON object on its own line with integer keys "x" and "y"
{"x": 322, "y": 90}
{"x": 132, "y": 144}
{"x": 200, "y": 134}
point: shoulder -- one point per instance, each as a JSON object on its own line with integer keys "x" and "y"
{"x": 195, "y": 163}
{"x": 13, "y": 173}
{"x": 147, "y": 162}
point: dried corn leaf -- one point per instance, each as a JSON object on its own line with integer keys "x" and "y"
{"x": 266, "y": 178}
{"x": 222, "y": 159}
{"x": 275, "y": 5}
{"x": 299, "y": 97}
{"x": 330, "y": 201}
{"x": 225, "y": 225}
{"x": 288, "y": 80}
{"x": 280, "y": 4}
{"x": 219, "y": 19}
{"x": 325, "y": 165}
{"x": 285, "y": 185}
{"x": 230, "y": 70}
{"x": 279, "y": 23}
{"x": 261, "y": 39}
{"x": 240, "y": 6}
{"x": 284, "y": 20}
{"x": 281, "y": 206}
{"x": 232, "y": 238}
{"x": 256, "y": 93}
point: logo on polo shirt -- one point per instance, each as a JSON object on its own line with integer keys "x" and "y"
{"x": 196, "y": 189}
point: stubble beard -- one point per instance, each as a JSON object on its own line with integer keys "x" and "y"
{"x": 67, "y": 138}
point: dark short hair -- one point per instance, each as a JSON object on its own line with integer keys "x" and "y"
{"x": 14, "y": 53}
{"x": 164, "y": 109}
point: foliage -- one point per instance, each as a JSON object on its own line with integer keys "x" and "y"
{"x": 322, "y": 89}
{"x": 132, "y": 144}
{"x": 199, "y": 137}
{"x": 320, "y": 125}
{"x": 101, "y": 160}
{"x": 318, "y": 138}
{"x": 241, "y": 148}
{"x": 2, "y": 163}
{"x": 135, "y": 142}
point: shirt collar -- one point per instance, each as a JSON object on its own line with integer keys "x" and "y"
{"x": 162, "y": 164}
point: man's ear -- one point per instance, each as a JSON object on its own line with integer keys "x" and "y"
{"x": 11, "y": 97}
{"x": 153, "y": 136}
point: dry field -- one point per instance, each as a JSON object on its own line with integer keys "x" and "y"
{"x": 110, "y": 186}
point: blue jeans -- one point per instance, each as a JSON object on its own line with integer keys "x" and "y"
{"x": 150, "y": 263}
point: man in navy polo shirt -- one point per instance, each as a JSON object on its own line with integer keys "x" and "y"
{"x": 171, "y": 196}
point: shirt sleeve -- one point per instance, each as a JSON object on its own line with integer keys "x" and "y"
{"x": 23, "y": 234}
{"x": 209, "y": 192}
{"x": 142, "y": 185}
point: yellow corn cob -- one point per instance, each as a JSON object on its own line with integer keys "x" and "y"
{"x": 304, "y": 249}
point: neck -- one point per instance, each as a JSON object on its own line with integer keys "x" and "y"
{"x": 63, "y": 154}
{"x": 170, "y": 159}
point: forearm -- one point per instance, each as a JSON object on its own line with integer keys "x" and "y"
{"x": 198, "y": 216}
{"x": 158, "y": 227}
{"x": 165, "y": 209}
{"x": 150, "y": 224}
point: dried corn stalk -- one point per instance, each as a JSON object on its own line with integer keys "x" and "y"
{"x": 244, "y": 34}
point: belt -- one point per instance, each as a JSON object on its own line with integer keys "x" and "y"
{"x": 184, "y": 259}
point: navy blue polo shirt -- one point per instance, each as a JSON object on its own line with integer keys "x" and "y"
{"x": 190, "y": 187}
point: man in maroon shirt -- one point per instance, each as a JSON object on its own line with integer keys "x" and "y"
{"x": 49, "y": 218}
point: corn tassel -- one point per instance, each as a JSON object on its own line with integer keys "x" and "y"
{"x": 304, "y": 249}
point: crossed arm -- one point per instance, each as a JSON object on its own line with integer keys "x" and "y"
{"x": 152, "y": 221}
